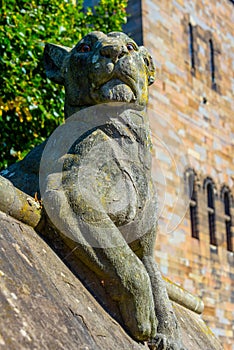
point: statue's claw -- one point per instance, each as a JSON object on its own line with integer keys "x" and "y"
{"x": 161, "y": 342}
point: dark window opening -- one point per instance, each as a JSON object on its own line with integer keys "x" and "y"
{"x": 193, "y": 207}
{"x": 228, "y": 220}
{"x": 212, "y": 65}
{"x": 226, "y": 203}
{"x": 211, "y": 213}
{"x": 210, "y": 196}
{"x": 191, "y": 48}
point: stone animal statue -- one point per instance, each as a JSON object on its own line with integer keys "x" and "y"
{"x": 104, "y": 69}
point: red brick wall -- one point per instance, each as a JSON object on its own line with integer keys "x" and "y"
{"x": 193, "y": 127}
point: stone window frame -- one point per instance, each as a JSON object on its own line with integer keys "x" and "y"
{"x": 192, "y": 185}
{"x": 227, "y": 199}
{"x": 212, "y": 44}
{"x": 190, "y": 32}
{"x": 211, "y": 193}
{"x": 213, "y": 51}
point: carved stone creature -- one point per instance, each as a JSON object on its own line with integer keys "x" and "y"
{"x": 115, "y": 228}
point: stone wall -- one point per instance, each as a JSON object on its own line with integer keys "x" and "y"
{"x": 191, "y": 113}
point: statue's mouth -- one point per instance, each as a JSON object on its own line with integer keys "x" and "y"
{"x": 117, "y": 90}
{"x": 118, "y": 86}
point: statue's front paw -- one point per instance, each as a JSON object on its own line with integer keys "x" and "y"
{"x": 143, "y": 325}
{"x": 162, "y": 342}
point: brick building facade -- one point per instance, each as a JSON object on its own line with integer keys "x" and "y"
{"x": 192, "y": 118}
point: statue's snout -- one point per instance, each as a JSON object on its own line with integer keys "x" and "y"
{"x": 114, "y": 52}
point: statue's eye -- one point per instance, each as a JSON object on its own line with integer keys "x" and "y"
{"x": 131, "y": 47}
{"x": 84, "y": 48}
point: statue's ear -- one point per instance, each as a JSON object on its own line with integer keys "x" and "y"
{"x": 150, "y": 68}
{"x": 54, "y": 56}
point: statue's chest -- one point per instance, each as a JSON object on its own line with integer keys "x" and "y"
{"x": 113, "y": 168}
{"x": 123, "y": 188}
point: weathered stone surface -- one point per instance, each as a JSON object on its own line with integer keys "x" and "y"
{"x": 195, "y": 333}
{"x": 43, "y": 305}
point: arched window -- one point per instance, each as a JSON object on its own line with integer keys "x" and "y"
{"x": 193, "y": 204}
{"x": 191, "y": 48}
{"x": 212, "y": 65}
{"x": 226, "y": 197}
{"x": 210, "y": 191}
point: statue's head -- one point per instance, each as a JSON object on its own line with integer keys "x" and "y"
{"x": 100, "y": 69}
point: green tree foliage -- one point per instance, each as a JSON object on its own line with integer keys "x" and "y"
{"x": 30, "y": 105}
